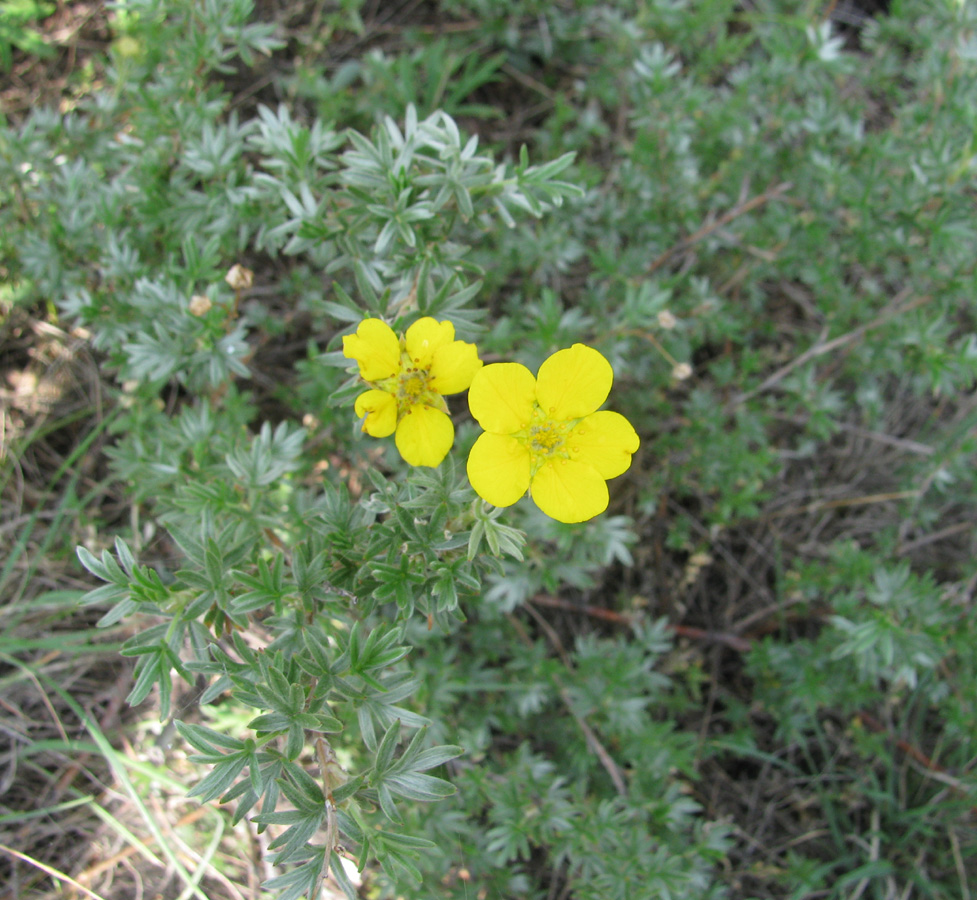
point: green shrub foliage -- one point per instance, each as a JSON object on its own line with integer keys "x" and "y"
{"x": 762, "y": 217}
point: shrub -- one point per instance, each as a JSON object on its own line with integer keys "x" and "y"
{"x": 760, "y": 219}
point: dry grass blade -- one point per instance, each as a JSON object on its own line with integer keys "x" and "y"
{"x": 70, "y": 812}
{"x": 50, "y": 870}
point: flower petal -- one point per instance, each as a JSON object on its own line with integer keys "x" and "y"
{"x": 424, "y": 436}
{"x": 380, "y": 409}
{"x": 453, "y": 366}
{"x": 375, "y": 348}
{"x": 569, "y": 491}
{"x": 424, "y": 337}
{"x": 501, "y": 397}
{"x": 573, "y": 383}
{"x": 498, "y": 468}
{"x": 604, "y": 440}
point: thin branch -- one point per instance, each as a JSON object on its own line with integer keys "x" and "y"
{"x": 895, "y": 308}
{"x": 590, "y": 736}
{"x": 843, "y": 502}
{"x": 932, "y": 768}
{"x": 732, "y": 641}
{"x": 727, "y": 217}
{"x": 949, "y": 531}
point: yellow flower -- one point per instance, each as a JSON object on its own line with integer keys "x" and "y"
{"x": 545, "y": 434}
{"x": 408, "y": 377}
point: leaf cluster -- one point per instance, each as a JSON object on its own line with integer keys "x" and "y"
{"x": 763, "y": 219}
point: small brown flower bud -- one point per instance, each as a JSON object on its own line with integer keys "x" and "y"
{"x": 199, "y": 305}
{"x": 239, "y": 278}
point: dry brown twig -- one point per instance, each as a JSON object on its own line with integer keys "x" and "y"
{"x": 821, "y": 347}
{"x": 733, "y": 641}
{"x": 741, "y": 208}
{"x": 590, "y": 736}
{"x": 609, "y": 615}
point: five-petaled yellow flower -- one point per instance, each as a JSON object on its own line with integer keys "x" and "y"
{"x": 408, "y": 377}
{"x": 546, "y": 435}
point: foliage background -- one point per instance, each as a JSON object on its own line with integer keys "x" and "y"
{"x": 755, "y": 676}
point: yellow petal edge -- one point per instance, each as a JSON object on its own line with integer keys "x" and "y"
{"x": 501, "y": 397}
{"x": 604, "y": 440}
{"x": 498, "y": 469}
{"x": 380, "y": 409}
{"x": 375, "y": 348}
{"x": 574, "y": 382}
{"x": 424, "y": 337}
{"x": 569, "y": 491}
{"x": 453, "y": 367}
{"x": 424, "y": 436}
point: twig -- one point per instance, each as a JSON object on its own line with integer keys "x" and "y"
{"x": 906, "y": 444}
{"x": 873, "y": 849}
{"x": 930, "y": 767}
{"x": 843, "y": 502}
{"x": 440, "y": 28}
{"x": 829, "y": 12}
{"x": 589, "y": 734}
{"x": 727, "y": 217}
{"x": 740, "y": 645}
{"x": 596, "y": 612}
{"x": 958, "y": 864}
{"x": 733, "y": 562}
{"x": 890, "y": 440}
{"x": 780, "y": 607}
{"x": 820, "y": 348}
{"x": 657, "y": 344}
{"x": 734, "y": 642}
{"x": 873, "y": 724}
{"x": 935, "y": 536}
{"x": 528, "y": 81}
{"x": 609, "y": 615}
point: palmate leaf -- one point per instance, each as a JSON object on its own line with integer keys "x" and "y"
{"x": 414, "y": 759}
{"x": 385, "y": 752}
{"x": 296, "y": 837}
{"x": 308, "y": 816}
{"x": 397, "y": 852}
{"x": 435, "y": 756}
{"x": 206, "y": 740}
{"x": 157, "y": 659}
{"x": 153, "y": 668}
{"x": 227, "y": 765}
{"x": 106, "y": 568}
{"x": 303, "y": 880}
{"x": 263, "y": 780}
{"x": 424, "y": 788}
{"x": 222, "y": 777}
{"x": 401, "y": 776}
{"x": 127, "y": 584}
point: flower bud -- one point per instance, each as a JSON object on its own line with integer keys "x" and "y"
{"x": 199, "y": 305}
{"x": 239, "y": 277}
{"x": 127, "y": 47}
{"x": 681, "y": 371}
{"x": 666, "y": 320}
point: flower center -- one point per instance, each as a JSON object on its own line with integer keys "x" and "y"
{"x": 413, "y": 383}
{"x": 545, "y": 437}
{"x": 412, "y": 388}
